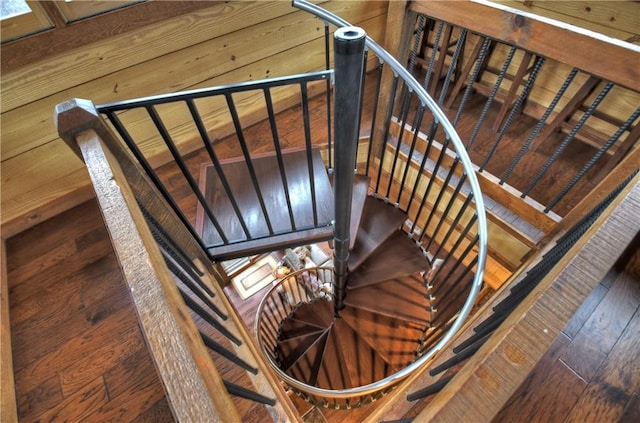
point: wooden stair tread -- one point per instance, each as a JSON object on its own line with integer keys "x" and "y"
{"x": 358, "y": 199}
{"x": 272, "y": 188}
{"x": 348, "y": 360}
{"x": 307, "y": 367}
{"x": 364, "y": 365}
{"x": 379, "y": 221}
{"x": 395, "y": 340}
{"x": 317, "y": 313}
{"x": 396, "y": 256}
{"x": 402, "y": 298}
{"x": 293, "y": 328}
{"x": 293, "y": 349}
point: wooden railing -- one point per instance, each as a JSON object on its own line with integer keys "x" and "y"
{"x": 580, "y": 88}
{"x": 195, "y": 390}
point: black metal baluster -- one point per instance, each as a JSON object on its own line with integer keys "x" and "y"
{"x": 484, "y": 49}
{"x": 113, "y": 118}
{"x": 432, "y": 59}
{"x": 164, "y": 133}
{"x": 539, "y": 125}
{"x": 568, "y": 138}
{"x": 172, "y": 247}
{"x": 492, "y": 96}
{"x": 247, "y": 157}
{"x": 452, "y": 65}
{"x": 605, "y": 147}
{"x": 309, "y": 146}
{"x": 416, "y": 131}
{"x": 241, "y": 392}
{"x": 276, "y": 145}
{"x": 176, "y": 271}
{"x": 216, "y": 164}
{"x": 385, "y": 133}
{"x": 196, "y": 308}
{"x": 229, "y": 355}
{"x": 514, "y": 110}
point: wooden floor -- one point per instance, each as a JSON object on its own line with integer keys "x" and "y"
{"x": 591, "y": 373}
{"x": 79, "y": 355}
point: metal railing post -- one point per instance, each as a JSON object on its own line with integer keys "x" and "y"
{"x": 348, "y": 68}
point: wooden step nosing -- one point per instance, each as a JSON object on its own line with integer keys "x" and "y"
{"x": 324, "y": 333}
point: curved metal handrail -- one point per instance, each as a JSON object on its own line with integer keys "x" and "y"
{"x": 463, "y": 157}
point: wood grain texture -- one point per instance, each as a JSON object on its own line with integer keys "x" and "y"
{"x": 173, "y": 341}
{"x": 8, "y": 411}
{"x": 30, "y": 143}
{"x": 539, "y": 37}
{"x": 502, "y": 364}
{"x": 272, "y": 192}
{"x": 618, "y": 19}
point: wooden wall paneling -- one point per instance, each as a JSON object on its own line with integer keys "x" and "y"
{"x": 482, "y": 387}
{"x": 248, "y": 55}
{"x": 41, "y": 79}
{"x": 8, "y": 410}
{"x": 27, "y": 133}
{"x": 617, "y": 19}
{"x": 65, "y": 37}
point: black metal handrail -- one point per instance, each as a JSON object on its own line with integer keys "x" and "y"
{"x": 218, "y": 236}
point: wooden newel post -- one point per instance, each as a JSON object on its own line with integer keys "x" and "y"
{"x": 349, "y": 45}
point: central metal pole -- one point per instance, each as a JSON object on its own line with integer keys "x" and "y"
{"x": 348, "y": 72}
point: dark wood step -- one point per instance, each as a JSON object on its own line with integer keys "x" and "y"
{"x": 379, "y": 221}
{"x": 272, "y": 188}
{"x": 394, "y": 339}
{"x": 403, "y": 298}
{"x": 292, "y": 328}
{"x": 318, "y": 313}
{"x": 306, "y": 368}
{"x": 348, "y": 360}
{"x": 289, "y": 351}
{"x": 396, "y": 256}
{"x": 358, "y": 199}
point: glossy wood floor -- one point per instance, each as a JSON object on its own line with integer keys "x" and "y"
{"x": 79, "y": 355}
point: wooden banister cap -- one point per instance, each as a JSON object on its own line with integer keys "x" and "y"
{"x": 73, "y": 117}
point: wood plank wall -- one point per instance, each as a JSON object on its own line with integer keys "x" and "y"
{"x": 221, "y": 43}
{"x": 617, "y": 19}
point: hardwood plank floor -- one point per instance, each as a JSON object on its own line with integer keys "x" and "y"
{"x": 78, "y": 353}
{"x": 592, "y": 372}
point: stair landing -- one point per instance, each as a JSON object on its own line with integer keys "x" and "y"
{"x": 305, "y": 228}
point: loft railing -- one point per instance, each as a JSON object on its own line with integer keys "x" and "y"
{"x": 169, "y": 116}
{"x": 171, "y": 282}
{"x": 554, "y": 113}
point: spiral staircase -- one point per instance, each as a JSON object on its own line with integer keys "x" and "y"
{"x": 405, "y": 219}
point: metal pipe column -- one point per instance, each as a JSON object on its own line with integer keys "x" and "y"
{"x": 348, "y": 72}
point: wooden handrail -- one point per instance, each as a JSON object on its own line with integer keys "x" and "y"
{"x": 508, "y": 357}
{"x": 592, "y": 53}
{"x": 194, "y": 388}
